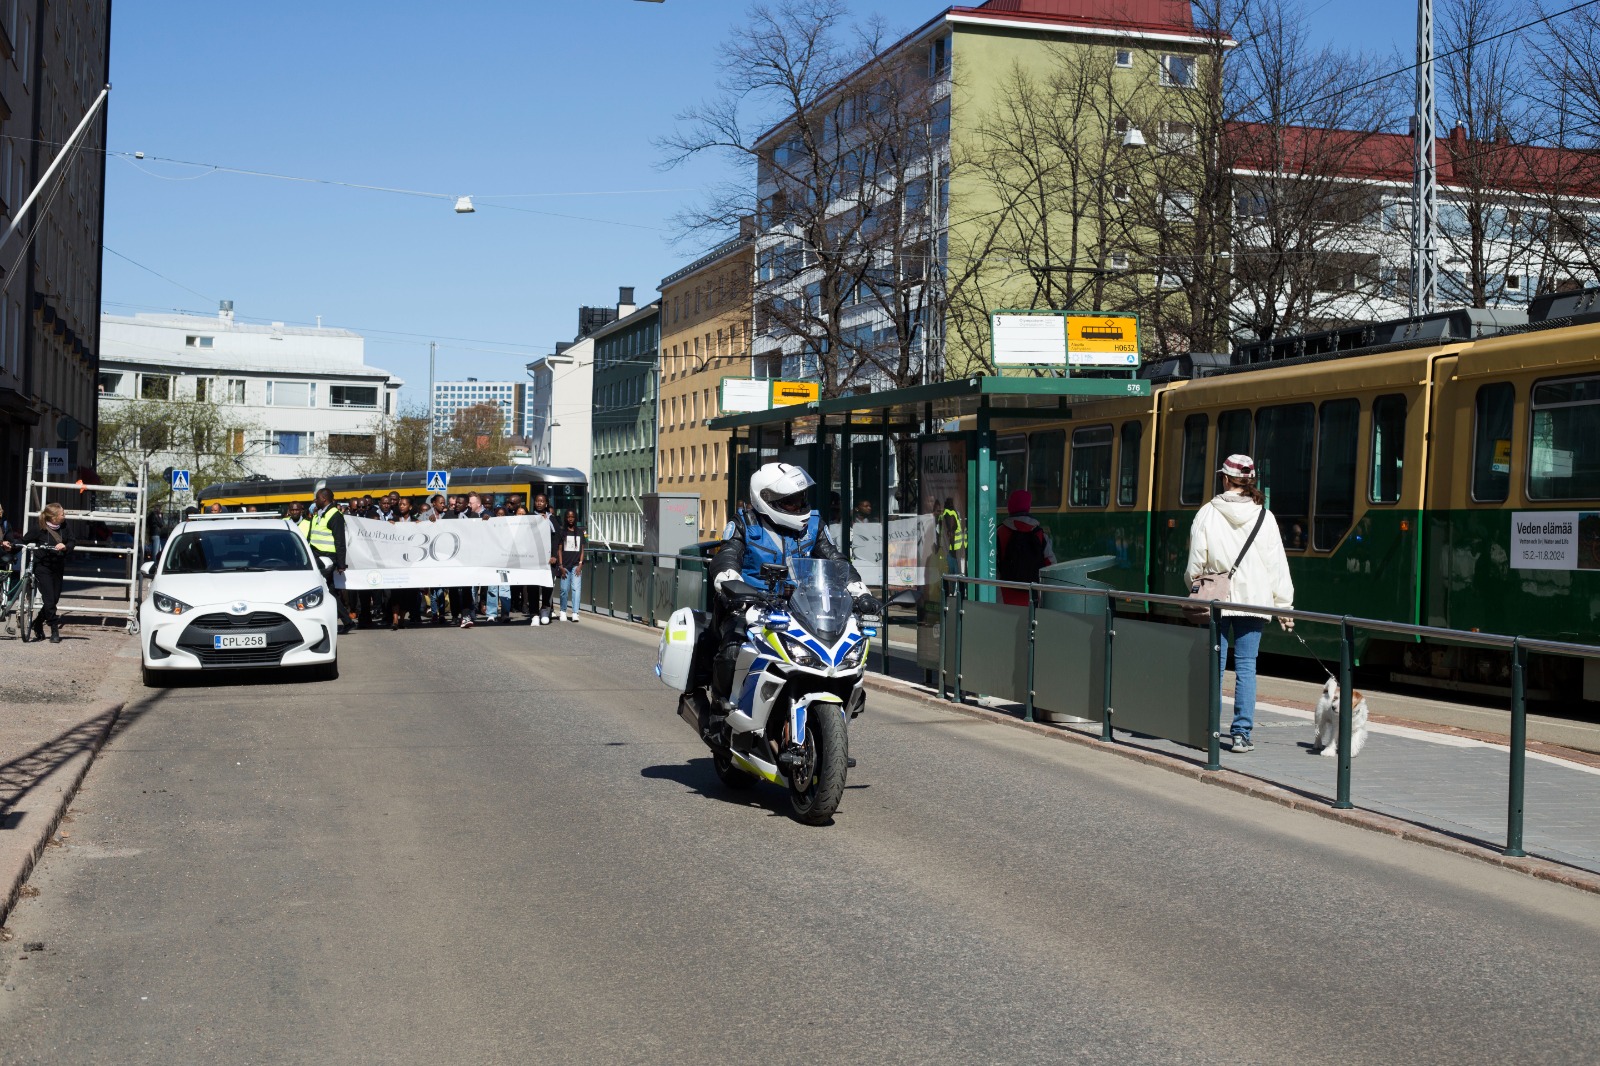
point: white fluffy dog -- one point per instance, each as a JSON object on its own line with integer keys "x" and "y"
{"x": 1326, "y": 722}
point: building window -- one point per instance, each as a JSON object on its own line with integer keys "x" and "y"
{"x": 235, "y": 441}
{"x": 939, "y": 57}
{"x": 1118, "y": 260}
{"x": 1178, "y": 70}
{"x": 1124, "y": 57}
{"x": 1121, "y": 193}
{"x": 352, "y": 396}
{"x": 1177, "y": 136}
{"x": 284, "y": 443}
{"x": 155, "y": 387}
{"x": 1177, "y": 206}
{"x": 291, "y": 394}
{"x": 351, "y": 444}
{"x": 1513, "y": 282}
{"x": 110, "y": 383}
{"x": 201, "y": 387}
{"x": 194, "y": 341}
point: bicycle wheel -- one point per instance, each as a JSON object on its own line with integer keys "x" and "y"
{"x": 25, "y": 608}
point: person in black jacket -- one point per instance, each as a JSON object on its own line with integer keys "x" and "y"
{"x": 52, "y": 546}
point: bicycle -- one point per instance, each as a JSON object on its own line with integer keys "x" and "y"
{"x": 18, "y": 595}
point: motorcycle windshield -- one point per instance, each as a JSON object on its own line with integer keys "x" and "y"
{"x": 820, "y": 602}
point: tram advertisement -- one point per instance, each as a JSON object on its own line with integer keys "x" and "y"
{"x": 1555, "y": 540}
{"x": 450, "y": 554}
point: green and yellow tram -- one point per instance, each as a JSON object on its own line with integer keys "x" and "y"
{"x": 1450, "y": 483}
{"x": 565, "y": 488}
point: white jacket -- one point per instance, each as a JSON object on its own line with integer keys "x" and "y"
{"x": 1219, "y": 531}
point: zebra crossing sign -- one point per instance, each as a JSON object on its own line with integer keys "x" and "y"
{"x": 438, "y": 481}
{"x": 180, "y": 481}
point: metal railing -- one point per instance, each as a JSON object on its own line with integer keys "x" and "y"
{"x": 646, "y": 589}
{"x": 1347, "y": 626}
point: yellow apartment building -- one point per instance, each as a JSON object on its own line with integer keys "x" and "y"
{"x": 705, "y": 337}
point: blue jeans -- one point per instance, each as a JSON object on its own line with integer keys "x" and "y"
{"x": 571, "y": 585}
{"x": 499, "y": 601}
{"x": 1246, "y": 639}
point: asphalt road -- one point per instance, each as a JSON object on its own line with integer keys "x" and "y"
{"x": 502, "y": 846}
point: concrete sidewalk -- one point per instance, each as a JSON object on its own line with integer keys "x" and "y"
{"x": 58, "y": 703}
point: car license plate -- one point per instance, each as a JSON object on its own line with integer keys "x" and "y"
{"x": 224, "y": 641}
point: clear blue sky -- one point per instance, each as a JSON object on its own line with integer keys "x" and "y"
{"x": 552, "y": 105}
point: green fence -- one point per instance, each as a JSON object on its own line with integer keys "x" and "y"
{"x": 1165, "y": 680}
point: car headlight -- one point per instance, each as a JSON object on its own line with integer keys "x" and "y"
{"x": 167, "y": 604}
{"x": 308, "y": 599}
{"x": 798, "y": 653}
{"x": 854, "y": 656}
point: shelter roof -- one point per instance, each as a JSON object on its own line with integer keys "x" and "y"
{"x": 912, "y": 407}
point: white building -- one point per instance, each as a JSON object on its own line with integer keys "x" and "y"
{"x": 308, "y": 392}
{"x": 450, "y": 397}
{"x": 562, "y": 415}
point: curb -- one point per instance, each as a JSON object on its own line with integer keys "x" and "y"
{"x": 1543, "y": 869}
{"x": 11, "y": 888}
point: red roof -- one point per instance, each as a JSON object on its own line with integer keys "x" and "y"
{"x": 1135, "y": 16}
{"x": 1388, "y": 157}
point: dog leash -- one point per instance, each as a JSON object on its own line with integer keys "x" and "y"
{"x": 1313, "y": 654}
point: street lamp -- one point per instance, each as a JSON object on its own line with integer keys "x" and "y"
{"x": 1134, "y": 138}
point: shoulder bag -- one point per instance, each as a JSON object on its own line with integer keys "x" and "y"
{"x": 1218, "y": 586}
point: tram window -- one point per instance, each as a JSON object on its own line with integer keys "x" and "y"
{"x": 1046, "y": 454}
{"x": 1233, "y": 438}
{"x": 1091, "y": 467}
{"x": 1564, "y": 449}
{"x": 1283, "y": 459}
{"x": 1192, "y": 484}
{"x": 1337, "y": 425}
{"x": 1388, "y": 448}
{"x": 1011, "y": 459}
{"x": 1491, "y": 443}
{"x": 1128, "y": 466}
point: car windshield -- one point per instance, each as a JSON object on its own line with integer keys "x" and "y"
{"x": 222, "y": 551}
{"x": 820, "y": 602}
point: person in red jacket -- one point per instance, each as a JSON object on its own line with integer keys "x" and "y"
{"x": 1023, "y": 547}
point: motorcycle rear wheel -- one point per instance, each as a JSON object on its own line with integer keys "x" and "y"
{"x": 818, "y": 799}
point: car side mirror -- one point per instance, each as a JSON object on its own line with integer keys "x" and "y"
{"x": 148, "y": 569}
{"x": 325, "y": 562}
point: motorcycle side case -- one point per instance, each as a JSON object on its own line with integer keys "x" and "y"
{"x": 675, "y": 659}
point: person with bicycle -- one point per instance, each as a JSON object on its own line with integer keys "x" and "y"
{"x": 52, "y": 546}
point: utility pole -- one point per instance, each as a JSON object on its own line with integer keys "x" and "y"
{"x": 1425, "y": 186}
{"x": 433, "y": 351}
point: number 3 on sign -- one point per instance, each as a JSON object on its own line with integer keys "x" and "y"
{"x": 421, "y": 547}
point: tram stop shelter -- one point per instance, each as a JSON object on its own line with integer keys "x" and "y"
{"x": 848, "y": 443}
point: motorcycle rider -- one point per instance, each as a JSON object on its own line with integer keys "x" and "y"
{"x": 778, "y": 525}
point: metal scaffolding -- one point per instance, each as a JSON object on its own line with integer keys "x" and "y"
{"x": 112, "y": 591}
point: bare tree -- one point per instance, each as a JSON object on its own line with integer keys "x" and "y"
{"x": 399, "y": 444}
{"x": 476, "y": 438}
{"x": 1565, "y": 166}
{"x": 207, "y": 439}
{"x": 839, "y": 139}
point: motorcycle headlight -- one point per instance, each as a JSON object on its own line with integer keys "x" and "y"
{"x": 308, "y": 599}
{"x": 798, "y": 653}
{"x": 167, "y": 604}
{"x": 854, "y": 656}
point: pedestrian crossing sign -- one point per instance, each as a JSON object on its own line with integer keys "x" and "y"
{"x": 180, "y": 481}
{"x": 438, "y": 481}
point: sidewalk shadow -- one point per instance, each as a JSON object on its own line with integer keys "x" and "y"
{"x": 22, "y": 775}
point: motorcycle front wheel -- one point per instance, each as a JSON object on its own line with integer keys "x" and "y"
{"x": 815, "y": 800}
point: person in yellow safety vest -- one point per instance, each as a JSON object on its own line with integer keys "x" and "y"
{"x": 297, "y": 518}
{"x": 326, "y": 536}
{"x": 955, "y": 538}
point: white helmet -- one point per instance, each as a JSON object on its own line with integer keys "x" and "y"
{"x": 778, "y": 492}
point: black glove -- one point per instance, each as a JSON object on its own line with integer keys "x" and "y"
{"x": 867, "y": 606}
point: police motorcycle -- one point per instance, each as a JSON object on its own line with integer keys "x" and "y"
{"x": 797, "y": 685}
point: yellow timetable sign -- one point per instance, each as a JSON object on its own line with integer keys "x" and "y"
{"x": 789, "y": 393}
{"x": 1103, "y": 340}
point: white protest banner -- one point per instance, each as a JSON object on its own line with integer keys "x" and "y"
{"x": 1555, "y": 540}
{"x": 447, "y": 554}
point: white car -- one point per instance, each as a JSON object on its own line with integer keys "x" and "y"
{"x": 237, "y": 591}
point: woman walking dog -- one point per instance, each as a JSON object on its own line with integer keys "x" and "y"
{"x": 1235, "y": 534}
